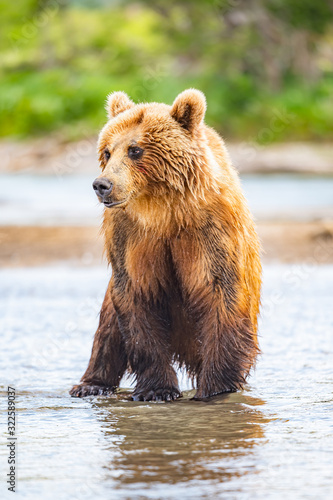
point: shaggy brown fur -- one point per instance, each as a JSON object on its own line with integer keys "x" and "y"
{"x": 186, "y": 272}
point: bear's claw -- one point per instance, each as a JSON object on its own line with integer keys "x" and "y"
{"x": 83, "y": 390}
{"x": 157, "y": 395}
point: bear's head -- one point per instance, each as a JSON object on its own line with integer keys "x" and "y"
{"x": 152, "y": 154}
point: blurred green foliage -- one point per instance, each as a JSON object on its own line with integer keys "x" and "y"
{"x": 263, "y": 64}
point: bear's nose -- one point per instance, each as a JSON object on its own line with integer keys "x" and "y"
{"x": 102, "y": 187}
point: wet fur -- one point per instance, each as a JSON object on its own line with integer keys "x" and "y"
{"x": 186, "y": 272}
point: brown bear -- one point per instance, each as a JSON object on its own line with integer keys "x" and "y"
{"x": 186, "y": 272}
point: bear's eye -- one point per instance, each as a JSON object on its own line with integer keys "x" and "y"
{"x": 134, "y": 152}
{"x": 106, "y": 155}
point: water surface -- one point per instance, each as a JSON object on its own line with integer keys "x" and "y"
{"x": 51, "y": 200}
{"x": 273, "y": 440}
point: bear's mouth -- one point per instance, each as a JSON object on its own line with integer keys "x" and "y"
{"x": 110, "y": 204}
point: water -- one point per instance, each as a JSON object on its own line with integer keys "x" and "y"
{"x": 50, "y": 200}
{"x": 273, "y": 440}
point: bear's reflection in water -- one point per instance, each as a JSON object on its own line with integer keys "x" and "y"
{"x": 181, "y": 441}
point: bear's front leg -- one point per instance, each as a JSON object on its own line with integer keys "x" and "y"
{"x": 227, "y": 342}
{"x": 228, "y": 351}
{"x": 108, "y": 360}
{"x": 218, "y": 304}
{"x": 146, "y": 328}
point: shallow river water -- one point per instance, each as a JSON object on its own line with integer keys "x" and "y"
{"x": 50, "y": 200}
{"x": 273, "y": 440}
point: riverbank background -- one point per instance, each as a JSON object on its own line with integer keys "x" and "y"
{"x": 266, "y": 67}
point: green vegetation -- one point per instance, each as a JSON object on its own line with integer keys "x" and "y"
{"x": 265, "y": 65}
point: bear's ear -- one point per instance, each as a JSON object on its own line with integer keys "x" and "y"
{"x": 116, "y": 103}
{"x": 189, "y": 108}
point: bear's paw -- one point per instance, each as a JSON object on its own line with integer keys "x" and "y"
{"x": 163, "y": 394}
{"x": 83, "y": 390}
